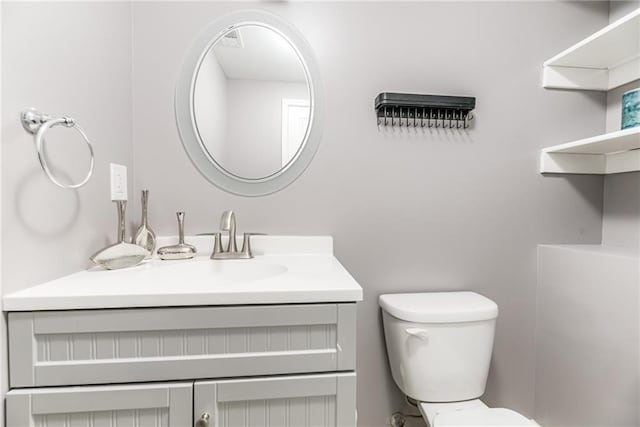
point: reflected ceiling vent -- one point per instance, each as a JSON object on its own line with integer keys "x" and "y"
{"x": 232, "y": 39}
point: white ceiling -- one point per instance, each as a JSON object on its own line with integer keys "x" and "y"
{"x": 265, "y": 55}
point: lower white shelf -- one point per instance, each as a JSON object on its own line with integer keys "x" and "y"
{"x": 613, "y": 152}
{"x": 596, "y": 249}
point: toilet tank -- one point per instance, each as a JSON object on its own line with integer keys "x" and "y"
{"x": 440, "y": 343}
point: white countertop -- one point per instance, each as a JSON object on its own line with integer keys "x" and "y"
{"x": 285, "y": 270}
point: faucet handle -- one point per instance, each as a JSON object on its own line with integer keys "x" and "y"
{"x": 217, "y": 242}
{"x": 246, "y": 243}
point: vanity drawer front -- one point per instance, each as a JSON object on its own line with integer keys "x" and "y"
{"x": 160, "y": 405}
{"x": 136, "y": 345}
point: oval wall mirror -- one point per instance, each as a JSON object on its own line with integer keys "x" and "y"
{"x": 248, "y": 103}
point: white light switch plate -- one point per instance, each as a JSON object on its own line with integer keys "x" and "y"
{"x": 118, "y": 182}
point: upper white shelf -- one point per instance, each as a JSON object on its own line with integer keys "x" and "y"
{"x": 613, "y": 152}
{"x": 605, "y": 60}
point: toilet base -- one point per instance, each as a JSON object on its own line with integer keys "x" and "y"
{"x": 430, "y": 410}
{"x": 471, "y": 413}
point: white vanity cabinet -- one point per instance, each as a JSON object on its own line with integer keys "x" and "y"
{"x": 265, "y": 342}
{"x": 263, "y": 365}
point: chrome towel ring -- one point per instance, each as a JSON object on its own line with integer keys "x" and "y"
{"x": 37, "y": 123}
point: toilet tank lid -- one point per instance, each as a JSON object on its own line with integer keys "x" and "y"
{"x": 439, "y": 307}
{"x": 492, "y": 417}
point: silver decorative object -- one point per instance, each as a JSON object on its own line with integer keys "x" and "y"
{"x": 145, "y": 236}
{"x": 120, "y": 254}
{"x": 180, "y": 251}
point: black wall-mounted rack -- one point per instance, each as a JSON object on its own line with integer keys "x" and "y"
{"x": 405, "y": 109}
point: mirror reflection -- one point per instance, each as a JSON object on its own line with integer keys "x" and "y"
{"x": 251, "y": 102}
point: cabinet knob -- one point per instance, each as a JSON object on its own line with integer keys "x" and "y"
{"x": 204, "y": 420}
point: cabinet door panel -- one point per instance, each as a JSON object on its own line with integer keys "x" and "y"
{"x": 139, "y": 345}
{"x": 300, "y": 401}
{"x": 158, "y": 405}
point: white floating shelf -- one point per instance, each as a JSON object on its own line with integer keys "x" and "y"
{"x": 603, "y": 61}
{"x": 613, "y": 152}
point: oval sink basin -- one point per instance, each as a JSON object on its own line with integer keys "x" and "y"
{"x": 228, "y": 271}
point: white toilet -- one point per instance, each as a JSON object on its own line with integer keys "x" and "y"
{"x": 439, "y": 346}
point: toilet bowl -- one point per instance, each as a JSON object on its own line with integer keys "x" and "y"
{"x": 439, "y": 346}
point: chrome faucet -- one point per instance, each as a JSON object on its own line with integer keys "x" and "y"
{"x": 228, "y": 223}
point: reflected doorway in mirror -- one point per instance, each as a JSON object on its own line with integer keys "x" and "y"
{"x": 295, "y": 120}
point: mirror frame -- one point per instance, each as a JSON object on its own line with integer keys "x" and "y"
{"x": 184, "y": 111}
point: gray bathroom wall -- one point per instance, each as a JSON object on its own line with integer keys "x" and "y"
{"x": 619, "y": 8}
{"x": 72, "y": 59}
{"x": 409, "y": 210}
{"x": 621, "y": 219}
{"x": 587, "y": 337}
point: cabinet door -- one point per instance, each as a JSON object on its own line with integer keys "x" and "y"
{"x": 157, "y": 405}
{"x": 295, "y": 401}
